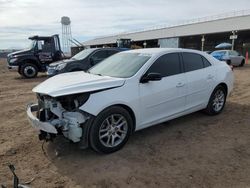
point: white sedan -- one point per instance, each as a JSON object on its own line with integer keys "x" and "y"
{"x": 127, "y": 92}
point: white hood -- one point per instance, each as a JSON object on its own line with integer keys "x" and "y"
{"x": 76, "y": 82}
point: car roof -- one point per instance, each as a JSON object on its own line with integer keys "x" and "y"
{"x": 222, "y": 50}
{"x": 119, "y": 49}
{"x": 156, "y": 51}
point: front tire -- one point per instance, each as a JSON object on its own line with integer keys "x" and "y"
{"x": 217, "y": 101}
{"x": 110, "y": 130}
{"x": 29, "y": 70}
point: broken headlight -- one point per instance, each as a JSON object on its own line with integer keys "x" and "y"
{"x": 72, "y": 102}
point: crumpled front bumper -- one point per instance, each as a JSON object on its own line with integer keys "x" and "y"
{"x": 36, "y": 123}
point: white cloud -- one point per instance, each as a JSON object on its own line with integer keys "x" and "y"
{"x": 90, "y": 18}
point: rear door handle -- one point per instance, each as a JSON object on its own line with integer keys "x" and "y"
{"x": 180, "y": 84}
{"x": 210, "y": 76}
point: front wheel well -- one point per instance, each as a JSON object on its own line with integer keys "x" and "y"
{"x": 32, "y": 61}
{"x": 131, "y": 113}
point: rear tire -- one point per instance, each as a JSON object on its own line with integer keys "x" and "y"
{"x": 29, "y": 70}
{"x": 110, "y": 130}
{"x": 217, "y": 101}
{"x": 229, "y": 62}
{"x": 242, "y": 63}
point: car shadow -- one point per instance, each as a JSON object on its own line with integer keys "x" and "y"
{"x": 168, "y": 148}
{"x": 40, "y": 77}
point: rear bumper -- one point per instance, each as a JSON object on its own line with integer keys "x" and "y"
{"x": 36, "y": 123}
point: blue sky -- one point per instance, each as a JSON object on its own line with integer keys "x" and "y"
{"x": 20, "y": 19}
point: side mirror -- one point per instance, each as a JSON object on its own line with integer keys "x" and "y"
{"x": 151, "y": 77}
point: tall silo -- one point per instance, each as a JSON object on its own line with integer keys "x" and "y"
{"x": 66, "y": 34}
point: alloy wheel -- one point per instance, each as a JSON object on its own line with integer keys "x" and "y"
{"x": 219, "y": 99}
{"x": 113, "y": 130}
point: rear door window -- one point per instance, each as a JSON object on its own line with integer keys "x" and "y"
{"x": 233, "y": 53}
{"x": 192, "y": 61}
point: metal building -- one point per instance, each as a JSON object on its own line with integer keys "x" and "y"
{"x": 203, "y": 33}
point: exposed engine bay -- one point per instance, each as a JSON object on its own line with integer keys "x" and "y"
{"x": 63, "y": 114}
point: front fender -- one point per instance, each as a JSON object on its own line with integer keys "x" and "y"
{"x": 99, "y": 101}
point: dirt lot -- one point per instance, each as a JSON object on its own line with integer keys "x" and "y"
{"x": 192, "y": 151}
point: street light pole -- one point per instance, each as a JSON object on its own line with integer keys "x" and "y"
{"x": 202, "y": 42}
{"x": 233, "y": 37}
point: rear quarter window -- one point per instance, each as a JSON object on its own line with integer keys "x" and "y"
{"x": 206, "y": 62}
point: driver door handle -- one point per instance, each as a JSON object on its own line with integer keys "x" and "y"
{"x": 180, "y": 84}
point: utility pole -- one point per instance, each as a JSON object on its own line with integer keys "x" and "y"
{"x": 202, "y": 42}
{"x": 233, "y": 37}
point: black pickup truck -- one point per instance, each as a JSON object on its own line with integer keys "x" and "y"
{"x": 42, "y": 51}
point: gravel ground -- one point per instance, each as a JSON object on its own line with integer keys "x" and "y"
{"x": 192, "y": 151}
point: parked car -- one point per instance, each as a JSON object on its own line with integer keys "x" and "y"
{"x": 127, "y": 92}
{"x": 82, "y": 61}
{"x": 230, "y": 56}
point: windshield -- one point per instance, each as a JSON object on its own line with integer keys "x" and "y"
{"x": 32, "y": 44}
{"x": 121, "y": 65}
{"x": 218, "y": 53}
{"x": 83, "y": 54}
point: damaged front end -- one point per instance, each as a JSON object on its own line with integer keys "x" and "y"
{"x": 59, "y": 115}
